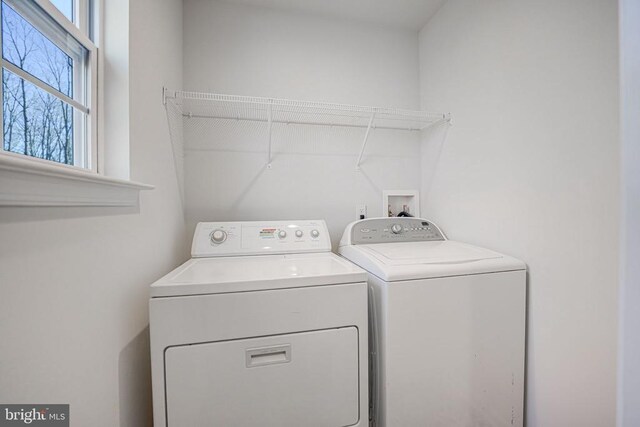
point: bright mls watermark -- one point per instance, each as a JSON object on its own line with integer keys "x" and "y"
{"x": 34, "y": 415}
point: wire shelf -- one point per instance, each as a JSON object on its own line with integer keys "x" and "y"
{"x": 262, "y": 114}
{"x": 284, "y": 111}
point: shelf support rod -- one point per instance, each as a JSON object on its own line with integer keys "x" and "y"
{"x": 364, "y": 142}
{"x": 270, "y": 125}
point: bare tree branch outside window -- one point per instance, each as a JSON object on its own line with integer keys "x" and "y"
{"x": 35, "y": 123}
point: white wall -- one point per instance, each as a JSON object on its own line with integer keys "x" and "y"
{"x": 629, "y": 346}
{"x": 244, "y": 50}
{"x": 74, "y": 281}
{"x": 531, "y": 169}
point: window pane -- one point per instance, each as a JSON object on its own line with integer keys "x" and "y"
{"x": 37, "y": 124}
{"x": 66, "y": 7}
{"x": 28, "y": 49}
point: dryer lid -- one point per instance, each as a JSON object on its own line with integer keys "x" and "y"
{"x": 200, "y": 276}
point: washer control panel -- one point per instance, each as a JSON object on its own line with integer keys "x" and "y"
{"x": 213, "y": 239}
{"x": 386, "y": 230}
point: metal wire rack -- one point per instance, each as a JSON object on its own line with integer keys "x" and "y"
{"x": 182, "y": 105}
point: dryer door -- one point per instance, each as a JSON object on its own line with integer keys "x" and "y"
{"x": 302, "y": 379}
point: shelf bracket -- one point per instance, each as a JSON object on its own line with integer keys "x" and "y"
{"x": 364, "y": 142}
{"x": 166, "y": 93}
{"x": 270, "y": 126}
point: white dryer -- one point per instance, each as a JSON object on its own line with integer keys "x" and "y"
{"x": 264, "y": 326}
{"x": 448, "y": 326}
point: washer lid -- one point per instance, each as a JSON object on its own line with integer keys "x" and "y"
{"x": 438, "y": 252}
{"x": 256, "y": 273}
{"x": 421, "y": 260}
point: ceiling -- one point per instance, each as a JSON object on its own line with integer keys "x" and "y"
{"x": 408, "y": 14}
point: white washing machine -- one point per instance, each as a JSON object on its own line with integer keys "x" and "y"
{"x": 448, "y": 326}
{"x": 264, "y": 326}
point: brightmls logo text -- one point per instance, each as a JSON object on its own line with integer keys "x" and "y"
{"x": 35, "y": 415}
{"x": 28, "y": 417}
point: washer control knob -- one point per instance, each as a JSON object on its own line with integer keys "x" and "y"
{"x": 396, "y": 229}
{"x": 218, "y": 236}
{"x": 315, "y": 234}
{"x": 299, "y": 233}
{"x": 282, "y": 234}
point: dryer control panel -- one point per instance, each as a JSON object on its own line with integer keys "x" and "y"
{"x": 391, "y": 230}
{"x": 212, "y": 239}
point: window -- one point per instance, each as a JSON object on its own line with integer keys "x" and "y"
{"x": 66, "y": 7}
{"x": 49, "y": 81}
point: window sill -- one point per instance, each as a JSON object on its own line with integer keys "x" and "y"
{"x": 24, "y": 182}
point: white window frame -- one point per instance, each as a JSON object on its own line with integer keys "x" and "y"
{"x": 30, "y": 181}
